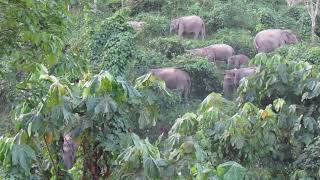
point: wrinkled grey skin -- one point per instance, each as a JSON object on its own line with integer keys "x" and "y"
{"x": 270, "y": 39}
{"x": 136, "y": 25}
{"x": 174, "y": 79}
{"x": 237, "y": 61}
{"x": 188, "y": 25}
{"x": 69, "y": 149}
{"x": 232, "y": 79}
{"x": 216, "y": 52}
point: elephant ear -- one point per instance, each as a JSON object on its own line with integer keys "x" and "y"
{"x": 285, "y": 36}
{"x": 289, "y": 36}
{"x": 174, "y": 24}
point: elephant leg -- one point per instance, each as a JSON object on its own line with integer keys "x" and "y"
{"x": 185, "y": 95}
{"x": 181, "y": 29}
{"x": 196, "y": 35}
{"x": 237, "y": 63}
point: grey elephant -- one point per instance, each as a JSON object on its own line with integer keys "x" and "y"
{"x": 294, "y": 2}
{"x": 220, "y": 52}
{"x": 232, "y": 79}
{"x": 270, "y": 39}
{"x": 174, "y": 79}
{"x": 136, "y": 25}
{"x": 188, "y": 25}
{"x": 237, "y": 61}
{"x": 69, "y": 149}
{"x": 216, "y": 52}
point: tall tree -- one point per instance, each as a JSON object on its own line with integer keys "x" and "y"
{"x": 312, "y": 7}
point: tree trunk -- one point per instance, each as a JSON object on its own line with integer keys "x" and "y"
{"x": 312, "y": 7}
{"x": 95, "y": 6}
{"x": 313, "y": 28}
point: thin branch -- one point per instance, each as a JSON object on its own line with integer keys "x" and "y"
{"x": 47, "y": 146}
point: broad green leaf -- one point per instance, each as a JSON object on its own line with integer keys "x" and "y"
{"x": 22, "y": 155}
{"x": 231, "y": 171}
{"x": 150, "y": 167}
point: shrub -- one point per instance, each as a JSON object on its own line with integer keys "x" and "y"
{"x": 308, "y": 163}
{"x": 113, "y": 46}
{"x": 147, "y": 58}
{"x": 170, "y": 47}
{"x": 205, "y": 76}
{"x": 300, "y": 52}
{"x": 156, "y": 25}
{"x": 240, "y": 40}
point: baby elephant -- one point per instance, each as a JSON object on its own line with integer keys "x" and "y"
{"x": 136, "y": 25}
{"x": 232, "y": 79}
{"x": 216, "y": 52}
{"x": 237, "y": 61}
{"x": 174, "y": 79}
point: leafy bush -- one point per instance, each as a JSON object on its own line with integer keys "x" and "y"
{"x": 240, "y": 40}
{"x": 171, "y": 46}
{"x": 156, "y": 25}
{"x": 201, "y": 70}
{"x": 299, "y": 52}
{"x": 113, "y": 47}
{"x": 309, "y": 162}
{"x": 145, "y": 6}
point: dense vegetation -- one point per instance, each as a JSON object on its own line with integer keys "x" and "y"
{"x": 75, "y": 72}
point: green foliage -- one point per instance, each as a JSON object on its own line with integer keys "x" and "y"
{"x": 171, "y": 47}
{"x": 308, "y": 161}
{"x": 63, "y": 73}
{"x": 240, "y": 40}
{"x": 300, "y": 52}
{"x": 151, "y": 89}
{"x": 156, "y": 25}
{"x": 113, "y": 46}
{"x": 200, "y": 70}
{"x": 139, "y": 160}
{"x": 145, "y": 6}
{"x": 231, "y": 170}
{"x": 31, "y": 33}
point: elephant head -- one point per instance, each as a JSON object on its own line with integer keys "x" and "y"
{"x": 289, "y": 36}
{"x": 232, "y": 62}
{"x": 229, "y": 84}
{"x": 174, "y": 25}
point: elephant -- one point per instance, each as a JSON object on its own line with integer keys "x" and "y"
{"x": 174, "y": 79}
{"x": 237, "y": 61}
{"x": 220, "y": 52}
{"x": 136, "y": 25}
{"x": 270, "y": 39}
{"x": 69, "y": 149}
{"x": 232, "y": 79}
{"x": 294, "y": 2}
{"x": 216, "y": 52}
{"x": 188, "y": 25}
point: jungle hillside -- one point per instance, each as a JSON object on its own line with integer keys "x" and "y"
{"x": 160, "y": 89}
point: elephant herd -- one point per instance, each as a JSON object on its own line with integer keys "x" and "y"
{"x": 265, "y": 41}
